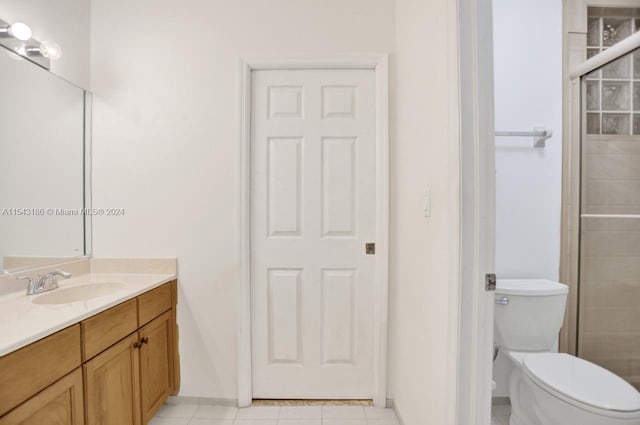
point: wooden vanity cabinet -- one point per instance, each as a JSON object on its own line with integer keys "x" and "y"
{"x": 129, "y": 382}
{"x": 59, "y": 404}
{"x": 126, "y": 361}
{"x": 112, "y": 388}
{"x": 33, "y": 368}
{"x": 105, "y": 329}
{"x": 156, "y": 365}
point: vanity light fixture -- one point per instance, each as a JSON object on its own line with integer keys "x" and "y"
{"x": 19, "y": 38}
{"x": 48, "y": 49}
{"x": 18, "y": 30}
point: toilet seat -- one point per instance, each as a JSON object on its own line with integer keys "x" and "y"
{"x": 583, "y": 384}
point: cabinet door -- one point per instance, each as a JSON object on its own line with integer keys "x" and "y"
{"x": 156, "y": 364}
{"x": 59, "y": 404}
{"x": 112, "y": 385}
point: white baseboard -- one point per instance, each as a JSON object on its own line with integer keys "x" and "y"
{"x": 203, "y": 401}
{"x": 392, "y": 405}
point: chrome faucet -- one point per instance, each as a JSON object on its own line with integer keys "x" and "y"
{"x": 40, "y": 285}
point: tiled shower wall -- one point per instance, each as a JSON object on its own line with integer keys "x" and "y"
{"x": 609, "y": 323}
{"x": 611, "y": 175}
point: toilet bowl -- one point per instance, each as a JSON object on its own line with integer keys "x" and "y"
{"x": 559, "y": 389}
{"x": 548, "y": 388}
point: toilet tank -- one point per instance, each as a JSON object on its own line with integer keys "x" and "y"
{"x": 528, "y": 313}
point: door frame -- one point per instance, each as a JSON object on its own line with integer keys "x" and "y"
{"x": 477, "y": 212}
{"x": 379, "y": 63}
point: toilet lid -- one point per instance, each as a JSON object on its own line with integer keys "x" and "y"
{"x": 530, "y": 287}
{"x": 582, "y": 381}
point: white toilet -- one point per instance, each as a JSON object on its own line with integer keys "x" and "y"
{"x": 548, "y": 388}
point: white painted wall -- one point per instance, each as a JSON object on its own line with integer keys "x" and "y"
{"x": 165, "y": 150}
{"x": 528, "y": 92}
{"x": 165, "y": 146}
{"x": 67, "y": 22}
{"x": 421, "y": 248}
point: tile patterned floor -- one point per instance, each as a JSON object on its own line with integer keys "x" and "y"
{"x": 500, "y": 414}
{"x": 312, "y": 403}
{"x": 192, "y": 414}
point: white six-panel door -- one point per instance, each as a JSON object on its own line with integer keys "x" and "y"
{"x": 313, "y": 197}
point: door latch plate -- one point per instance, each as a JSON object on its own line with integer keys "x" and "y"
{"x": 490, "y": 282}
{"x": 370, "y": 248}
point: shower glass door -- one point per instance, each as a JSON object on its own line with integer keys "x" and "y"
{"x": 609, "y": 287}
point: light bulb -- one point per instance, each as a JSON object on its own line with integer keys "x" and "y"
{"x": 51, "y": 50}
{"x": 20, "y": 31}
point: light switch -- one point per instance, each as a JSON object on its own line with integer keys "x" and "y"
{"x": 426, "y": 202}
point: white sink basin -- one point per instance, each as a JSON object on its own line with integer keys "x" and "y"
{"x": 78, "y": 293}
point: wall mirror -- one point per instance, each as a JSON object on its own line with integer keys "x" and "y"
{"x": 44, "y": 166}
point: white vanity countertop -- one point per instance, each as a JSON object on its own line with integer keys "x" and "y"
{"x": 23, "y": 322}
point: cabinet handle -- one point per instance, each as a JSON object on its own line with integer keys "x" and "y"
{"x": 139, "y": 344}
